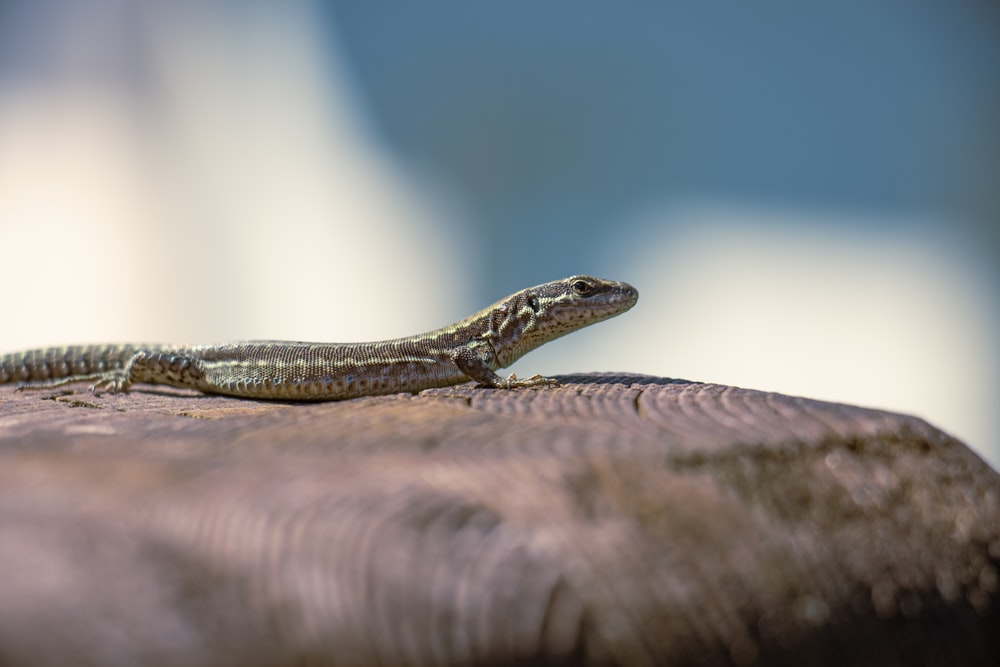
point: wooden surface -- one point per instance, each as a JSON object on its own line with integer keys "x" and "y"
{"x": 617, "y": 519}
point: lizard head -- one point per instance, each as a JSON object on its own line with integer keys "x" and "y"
{"x": 534, "y": 316}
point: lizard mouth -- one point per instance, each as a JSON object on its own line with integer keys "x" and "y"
{"x": 621, "y": 296}
{"x": 629, "y": 294}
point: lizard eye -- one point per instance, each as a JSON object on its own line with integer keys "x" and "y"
{"x": 582, "y": 287}
{"x": 533, "y": 303}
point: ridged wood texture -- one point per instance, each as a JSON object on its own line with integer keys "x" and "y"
{"x": 617, "y": 519}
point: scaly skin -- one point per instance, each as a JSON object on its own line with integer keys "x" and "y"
{"x": 472, "y": 349}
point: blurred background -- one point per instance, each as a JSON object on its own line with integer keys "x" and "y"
{"x": 807, "y": 197}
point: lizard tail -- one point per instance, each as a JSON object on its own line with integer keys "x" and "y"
{"x": 66, "y": 363}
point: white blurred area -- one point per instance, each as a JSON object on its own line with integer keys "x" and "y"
{"x": 813, "y": 306}
{"x": 172, "y": 172}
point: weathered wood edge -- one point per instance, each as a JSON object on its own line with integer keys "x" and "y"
{"x": 615, "y": 506}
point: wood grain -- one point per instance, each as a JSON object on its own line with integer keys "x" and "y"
{"x": 616, "y": 519}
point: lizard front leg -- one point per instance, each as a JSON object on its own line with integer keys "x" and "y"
{"x": 470, "y": 360}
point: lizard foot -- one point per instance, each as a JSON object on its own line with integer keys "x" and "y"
{"x": 112, "y": 381}
{"x": 534, "y": 381}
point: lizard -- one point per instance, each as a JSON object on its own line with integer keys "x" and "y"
{"x": 471, "y": 349}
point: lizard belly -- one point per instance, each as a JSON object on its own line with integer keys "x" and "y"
{"x": 309, "y": 378}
